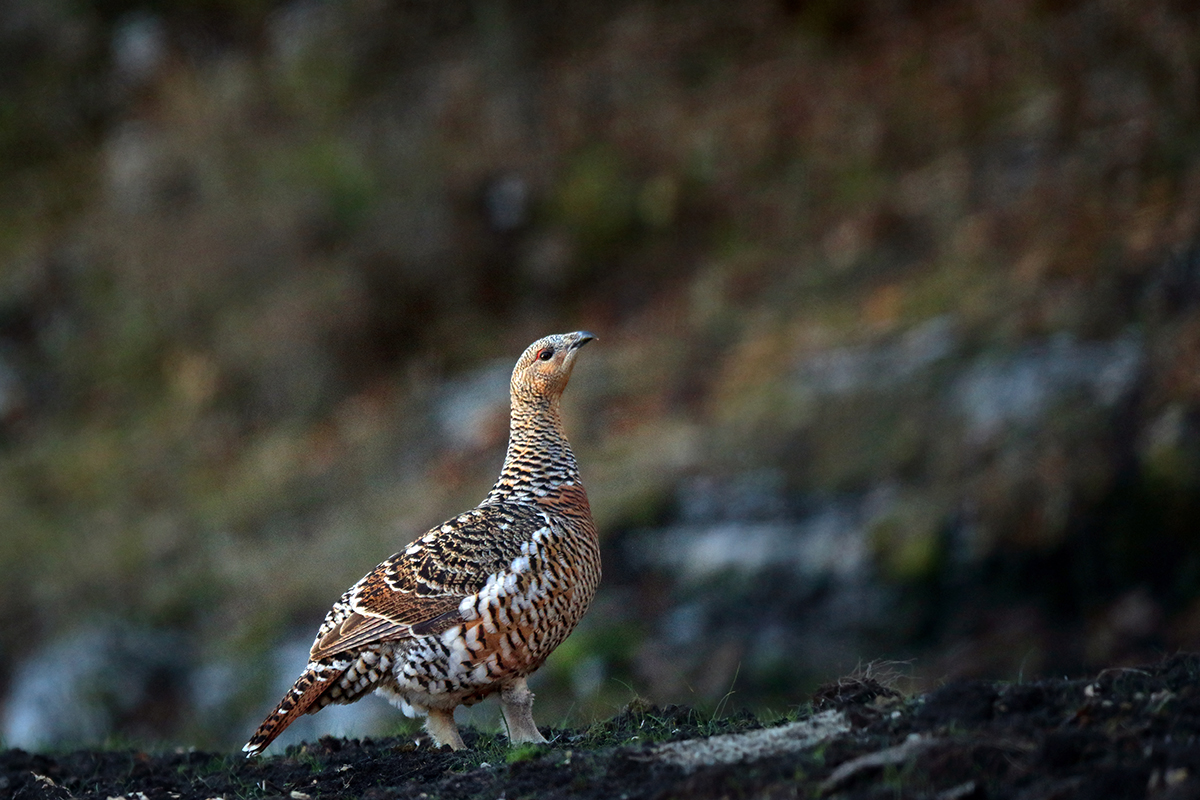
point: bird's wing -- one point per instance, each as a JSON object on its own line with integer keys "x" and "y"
{"x": 417, "y": 592}
{"x": 357, "y": 629}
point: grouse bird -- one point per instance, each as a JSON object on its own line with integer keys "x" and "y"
{"x": 475, "y": 605}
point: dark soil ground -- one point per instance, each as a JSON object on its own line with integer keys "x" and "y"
{"x": 1121, "y": 733}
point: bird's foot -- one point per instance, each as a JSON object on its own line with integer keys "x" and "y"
{"x": 440, "y": 725}
{"x": 516, "y": 701}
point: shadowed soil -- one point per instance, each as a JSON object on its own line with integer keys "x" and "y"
{"x": 1120, "y": 733}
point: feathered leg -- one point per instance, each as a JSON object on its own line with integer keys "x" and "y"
{"x": 516, "y": 701}
{"x": 441, "y": 726}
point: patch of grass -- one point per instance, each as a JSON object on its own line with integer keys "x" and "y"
{"x": 404, "y": 727}
{"x": 309, "y": 759}
{"x": 487, "y": 749}
{"x": 641, "y": 723}
{"x": 525, "y": 752}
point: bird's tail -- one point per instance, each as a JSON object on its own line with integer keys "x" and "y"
{"x": 308, "y": 689}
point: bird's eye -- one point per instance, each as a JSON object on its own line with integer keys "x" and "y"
{"x": 545, "y": 354}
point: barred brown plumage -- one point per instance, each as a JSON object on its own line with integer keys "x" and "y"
{"x": 475, "y": 605}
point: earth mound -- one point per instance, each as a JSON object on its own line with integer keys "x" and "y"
{"x": 1122, "y": 733}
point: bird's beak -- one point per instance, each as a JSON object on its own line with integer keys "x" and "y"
{"x": 581, "y": 338}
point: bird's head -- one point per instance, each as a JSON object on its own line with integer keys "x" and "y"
{"x": 544, "y": 368}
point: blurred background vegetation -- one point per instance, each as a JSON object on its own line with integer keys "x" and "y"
{"x": 899, "y": 310}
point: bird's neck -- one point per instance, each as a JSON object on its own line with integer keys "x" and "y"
{"x": 539, "y": 457}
